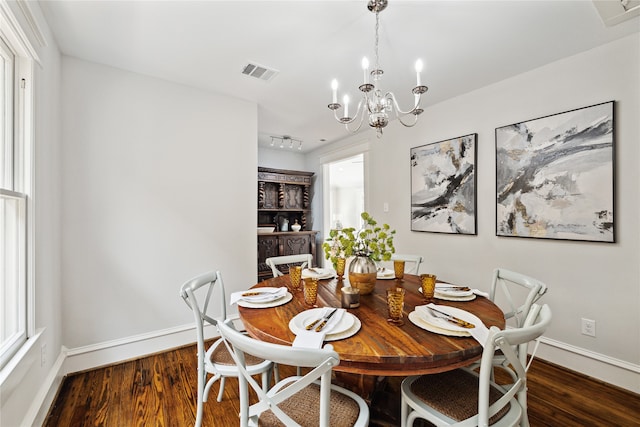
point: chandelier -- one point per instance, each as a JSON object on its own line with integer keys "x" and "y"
{"x": 373, "y": 103}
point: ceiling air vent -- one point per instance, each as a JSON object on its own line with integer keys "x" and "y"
{"x": 259, "y": 71}
{"x": 614, "y": 12}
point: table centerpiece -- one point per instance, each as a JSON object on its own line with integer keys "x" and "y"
{"x": 367, "y": 246}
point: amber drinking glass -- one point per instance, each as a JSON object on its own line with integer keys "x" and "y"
{"x": 428, "y": 286}
{"x": 398, "y": 268}
{"x": 295, "y": 273}
{"x": 340, "y": 263}
{"x": 310, "y": 289}
{"x": 395, "y": 303}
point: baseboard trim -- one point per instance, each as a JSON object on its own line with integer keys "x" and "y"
{"x": 114, "y": 351}
{"x": 46, "y": 395}
{"x": 608, "y": 369}
{"x": 605, "y": 368}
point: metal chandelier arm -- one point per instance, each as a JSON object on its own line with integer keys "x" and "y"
{"x": 408, "y": 125}
{"x": 415, "y": 111}
{"x": 346, "y": 121}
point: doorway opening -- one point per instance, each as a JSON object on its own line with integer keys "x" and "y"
{"x": 346, "y": 192}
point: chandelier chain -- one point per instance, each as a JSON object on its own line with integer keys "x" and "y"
{"x": 376, "y": 40}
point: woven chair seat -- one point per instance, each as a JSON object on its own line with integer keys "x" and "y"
{"x": 304, "y": 408}
{"x": 222, "y": 356}
{"x": 455, "y": 394}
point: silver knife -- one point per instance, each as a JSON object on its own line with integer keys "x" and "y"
{"x": 325, "y": 320}
{"x": 453, "y": 319}
{"x": 453, "y": 288}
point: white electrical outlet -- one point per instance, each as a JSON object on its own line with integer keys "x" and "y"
{"x": 588, "y": 327}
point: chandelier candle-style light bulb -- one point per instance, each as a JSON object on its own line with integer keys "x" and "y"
{"x": 375, "y": 103}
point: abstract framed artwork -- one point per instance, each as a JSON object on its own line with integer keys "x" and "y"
{"x": 443, "y": 186}
{"x": 555, "y": 176}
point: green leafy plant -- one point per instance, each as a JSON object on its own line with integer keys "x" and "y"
{"x": 372, "y": 240}
{"x": 339, "y": 244}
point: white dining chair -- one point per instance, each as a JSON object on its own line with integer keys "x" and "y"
{"x": 300, "y": 259}
{"x": 412, "y": 262}
{"x": 465, "y": 397}
{"x": 515, "y": 294}
{"x": 198, "y": 293}
{"x": 295, "y": 400}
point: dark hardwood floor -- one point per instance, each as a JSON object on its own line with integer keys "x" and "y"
{"x": 160, "y": 390}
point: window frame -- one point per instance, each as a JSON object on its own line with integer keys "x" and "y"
{"x": 21, "y": 185}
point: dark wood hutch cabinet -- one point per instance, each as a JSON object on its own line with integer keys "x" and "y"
{"x": 284, "y": 198}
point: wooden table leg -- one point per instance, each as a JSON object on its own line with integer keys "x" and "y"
{"x": 382, "y": 394}
{"x": 363, "y": 385}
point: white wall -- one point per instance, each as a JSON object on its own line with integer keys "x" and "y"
{"x": 281, "y": 158}
{"x": 593, "y": 280}
{"x": 158, "y": 186}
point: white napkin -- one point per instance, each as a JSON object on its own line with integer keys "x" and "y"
{"x": 481, "y": 293}
{"x": 480, "y": 332}
{"x": 313, "y": 339}
{"x": 269, "y": 295}
{"x": 318, "y": 273}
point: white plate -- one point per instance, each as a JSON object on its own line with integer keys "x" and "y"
{"x": 447, "y": 297}
{"x": 322, "y": 273}
{"x": 299, "y": 322}
{"x": 417, "y": 320}
{"x": 426, "y": 316}
{"x": 273, "y": 303}
{"x": 348, "y": 333}
{"x": 386, "y": 274}
{"x": 452, "y": 292}
{"x": 268, "y": 294}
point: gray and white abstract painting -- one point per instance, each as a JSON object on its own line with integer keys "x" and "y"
{"x": 443, "y": 186}
{"x": 554, "y": 176}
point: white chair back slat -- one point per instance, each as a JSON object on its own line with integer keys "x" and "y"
{"x": 412, "y": 262}
{"x": 306, "y": 260}
{"x": 321, "y": 360}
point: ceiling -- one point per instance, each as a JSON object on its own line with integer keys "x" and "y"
{"x": 465, "y": 45}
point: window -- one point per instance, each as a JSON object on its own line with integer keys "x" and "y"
{"x": 6, "y": 115}
{"x": 15, "y": 189}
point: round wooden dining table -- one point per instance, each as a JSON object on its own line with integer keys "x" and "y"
{"x": 379, "y": 348}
